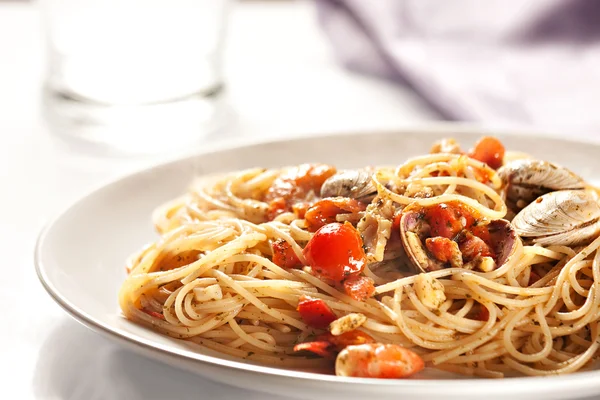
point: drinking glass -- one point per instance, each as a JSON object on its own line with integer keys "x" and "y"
{"x": 128, "y": 73}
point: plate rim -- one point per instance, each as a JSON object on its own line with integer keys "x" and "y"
{"x": 581, "y": 380}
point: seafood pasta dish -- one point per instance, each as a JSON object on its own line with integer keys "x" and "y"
{"x": 479, "y": 261}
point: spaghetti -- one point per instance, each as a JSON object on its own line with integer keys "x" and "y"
{"x": 236, "y": 270}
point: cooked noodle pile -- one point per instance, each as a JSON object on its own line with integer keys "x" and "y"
{"x": 211, "y": 279}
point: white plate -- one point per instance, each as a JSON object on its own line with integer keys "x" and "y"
{"x": 80, "y": 260}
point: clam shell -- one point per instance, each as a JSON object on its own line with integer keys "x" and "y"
{"x": 414, "y": 248}
{"x": 528, "y": 179}
{"x": 504, "y": 239}
{"x": 356, "y": 184}
{"x": 566, "y": 217}
{"x": 502, "y": 234}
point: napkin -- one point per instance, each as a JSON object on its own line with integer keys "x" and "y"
{"x": 533, "y": 62}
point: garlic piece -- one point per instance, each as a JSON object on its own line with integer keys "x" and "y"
{"x": 347, "y": 323}
{"x": 430, "y": 291}
{"x": 487, "y": 264}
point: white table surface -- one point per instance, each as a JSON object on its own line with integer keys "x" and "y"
{"x": 280, "y": 78}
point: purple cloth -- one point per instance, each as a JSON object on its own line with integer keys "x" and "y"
{"x": 531, "y": 62}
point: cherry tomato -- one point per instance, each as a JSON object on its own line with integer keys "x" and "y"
{"x": 284, "y": 256}
{"x": 488, "y": 150}
{"x": 315, "y": 312}
{"x": 294, "y": 185}
{"x": 335, "y": 252}
{"x": 312, "y": 176}
{"x": 359, "y": 287}
{"x": 448, "y": 219}
{"x": 376, "y": 360}
{"x": 324, "y": 211}
{"x": 442, "y": 248}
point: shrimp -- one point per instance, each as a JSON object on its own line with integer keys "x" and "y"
{"x": 376, "y": 360}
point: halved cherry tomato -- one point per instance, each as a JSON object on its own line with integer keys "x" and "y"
{"x": 442, "y": 248}
{"x": 294, "y": 185}
{"x": 376, "y": 360}
{"x": 359, "y": 287}
{"x": 284, "y": 256}
{"x": 304, "y": 177}
{"x": 324, "y": 211}
{"x": 313, "y": 175}
{"x": 448, "y": 219}
{"x": 488, "y": 150}
{"x": 315, "y": 312}
{"x": 335, "y": 252}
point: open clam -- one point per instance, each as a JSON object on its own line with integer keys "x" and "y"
{"x": 354, "y": 183}
{"x": 527, "y": 179}
{"x": 566, "y": 217}
{"x": 475, "y": 243}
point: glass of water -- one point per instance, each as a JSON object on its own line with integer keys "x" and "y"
{"x": 120, "y": 72}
